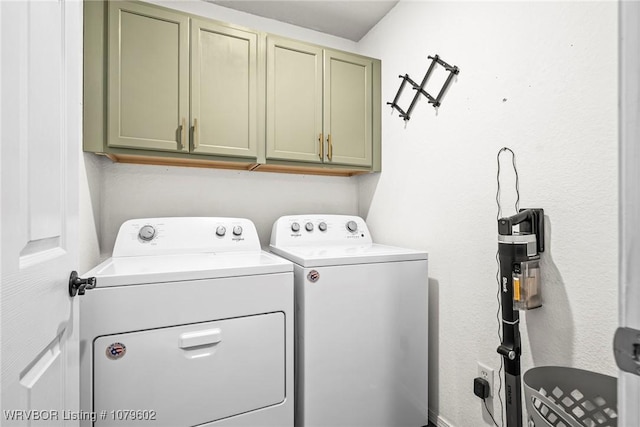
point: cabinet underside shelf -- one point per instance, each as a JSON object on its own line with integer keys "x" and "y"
{"x": 235, "y": 165}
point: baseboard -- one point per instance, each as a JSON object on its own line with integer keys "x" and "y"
{"x": 438, "y": 420}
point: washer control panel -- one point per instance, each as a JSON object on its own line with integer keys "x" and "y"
{"x": 319, "y": 229}
{"x": 158, "y": 236}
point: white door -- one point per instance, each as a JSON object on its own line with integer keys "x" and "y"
{"x": 40, "y": 128}
{"x": 629, "y": 384}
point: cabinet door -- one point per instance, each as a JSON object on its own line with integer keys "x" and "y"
{"x": 294, "y": 101}
{"x": 148, "y": 94}
{"x": 348, "y": 108}
{"x": 224, "y": 96}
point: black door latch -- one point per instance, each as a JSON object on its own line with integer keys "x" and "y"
{"x": 78, "y": 285}
{"x": 626, "y": 349}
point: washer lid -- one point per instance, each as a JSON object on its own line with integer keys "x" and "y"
{"x": 322, "y": 256}
{"x": 137, "y": 270}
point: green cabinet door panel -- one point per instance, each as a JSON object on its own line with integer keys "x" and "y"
{"x": 348, "y": 107}
{"x": 148, "y": 93}
{"x": 224, "y": 98}
{"x": 294, "y": 101}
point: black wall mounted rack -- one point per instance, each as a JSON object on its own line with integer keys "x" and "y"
{"x": 420, "y": 90}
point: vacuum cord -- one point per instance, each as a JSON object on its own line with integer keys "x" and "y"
{"x": 499, "y": 312}
{"x": 487, "y": 408}
{"x": 515, "y": 169}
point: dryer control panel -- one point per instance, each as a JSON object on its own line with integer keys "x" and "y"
{"x": 314, "y": 229}
{"x": 180, "y": 235}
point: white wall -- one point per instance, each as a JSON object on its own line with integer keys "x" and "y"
{"x": 137, "y": 191}
{"x": 89, "y": 217}
{"x": 541, "y": 78}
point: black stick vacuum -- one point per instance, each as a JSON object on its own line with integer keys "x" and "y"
{"x": 519, "y": 257}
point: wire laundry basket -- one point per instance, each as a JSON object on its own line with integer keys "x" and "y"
{"x": 567, "y": 397}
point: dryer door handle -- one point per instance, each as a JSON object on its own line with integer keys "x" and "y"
{"x": 200, "y": 338}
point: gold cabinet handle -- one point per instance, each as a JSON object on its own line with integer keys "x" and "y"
{"x": 182, "y": 132}
{"x": 321, "y": 143}
{"x": 196, "y": 142}
{"x": 330, "y": 150}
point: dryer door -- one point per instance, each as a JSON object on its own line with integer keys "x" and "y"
{"x": 190, "y": 375}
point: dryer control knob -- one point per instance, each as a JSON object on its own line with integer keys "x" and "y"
{"x": 308, "y": 226}
{"x": 221, "y": 230}
{"x": 295, "y": 227}
{"x": 237, "y": 230}
{"x": 352, "y": 226}
{"x": 322, "y": 226}
{"x": 147, "y": 233}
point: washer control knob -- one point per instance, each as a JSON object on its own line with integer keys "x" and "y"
{"x": 322, "y": 226}
{"x": 308, "y": 226}
{"x": 295, "y": 227}
{"x": 237, "y": 230}
{"x": 352, "y": 226}
{"x": 147, "y": 233}
{"x": 221, "y": 231}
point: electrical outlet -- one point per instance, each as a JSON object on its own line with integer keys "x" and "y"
{"x": 486, "y": 373}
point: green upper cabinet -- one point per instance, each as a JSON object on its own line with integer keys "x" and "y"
{"x": 224, "y": 93}
{"x": 148, "y": 91}
{"x": 319, "y": 105}
{"x": 167, "y": 87}
{"x": 294, "y": 101}
{"x": 348, "y": 108}
{"x": 171, "y": 92}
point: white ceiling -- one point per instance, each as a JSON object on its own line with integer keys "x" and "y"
{"x": 347, "y": 19}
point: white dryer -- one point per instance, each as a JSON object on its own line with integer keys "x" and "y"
{"x": 361, "y": 324}
{"x": 190, "y": 324}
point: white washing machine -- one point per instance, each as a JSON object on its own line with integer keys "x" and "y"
{"x": 190, "y": 324}
{"x": 361, "y": 324}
